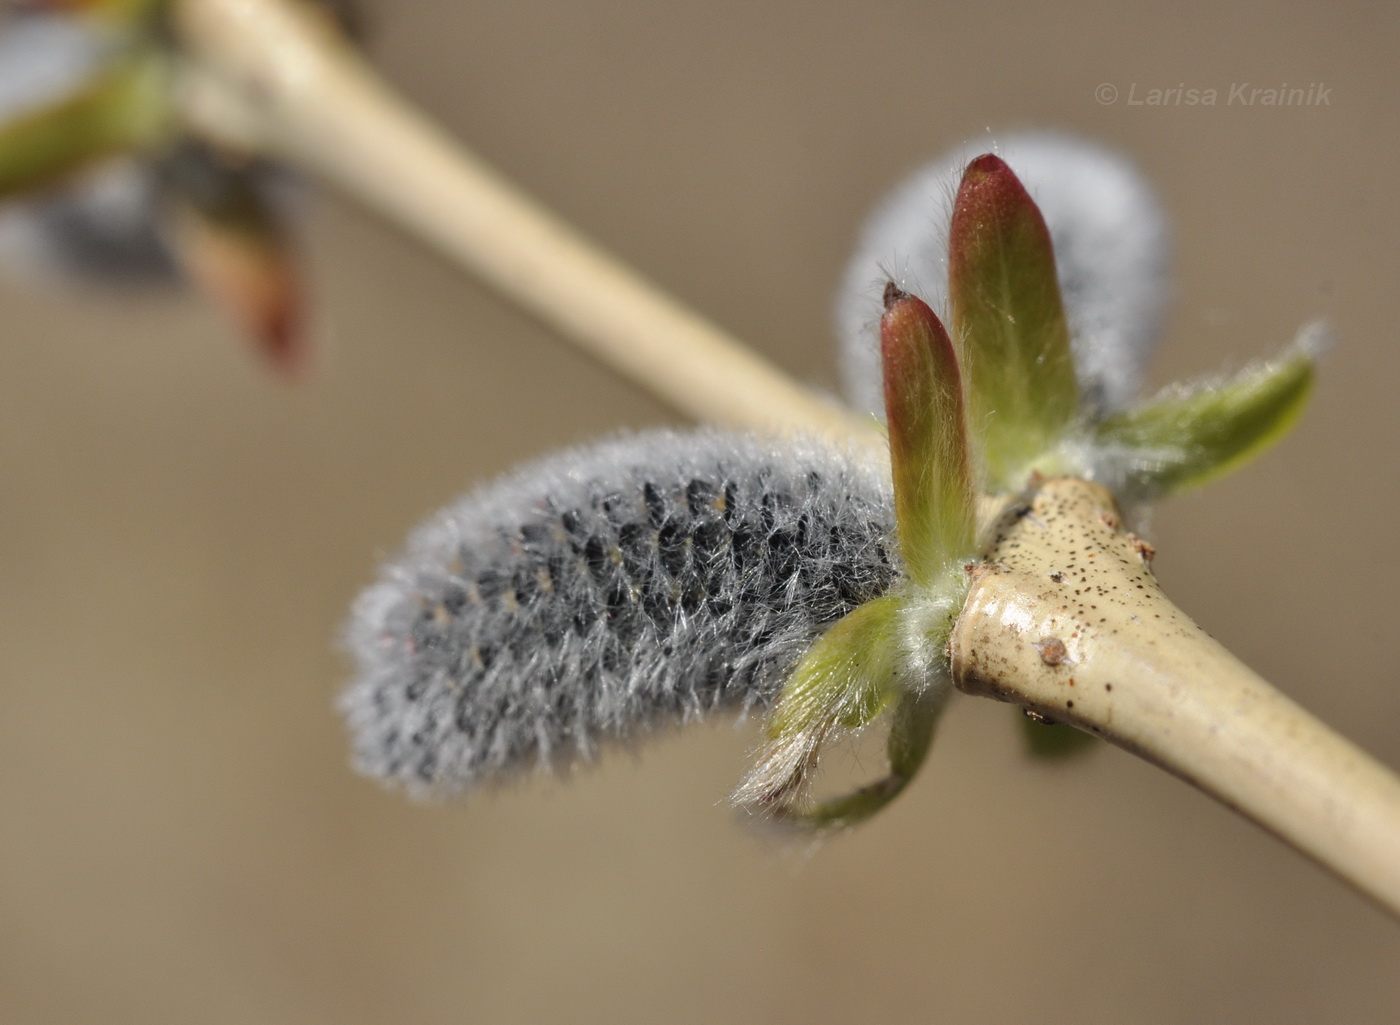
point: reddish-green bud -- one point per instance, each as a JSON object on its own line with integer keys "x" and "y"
{"x": 1009, "y": 322}
{"x": 933, "y": 495}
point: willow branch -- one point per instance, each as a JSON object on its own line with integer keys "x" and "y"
{"x": 268, "y": 76}
{"x": 1064, "y": 618}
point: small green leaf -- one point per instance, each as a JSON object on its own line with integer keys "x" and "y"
{"x": 124, "y": 107}
{"x": 1190, "y": 434}
{"x": 848, "y": 675}
{"x": 1009, "y": 323}
{"x": 934, "y": 501}
{"x": 846, "y": 679}
{"x": 911, "y": 734}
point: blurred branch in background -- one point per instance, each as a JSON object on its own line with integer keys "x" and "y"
{"x": 268, "y": 77}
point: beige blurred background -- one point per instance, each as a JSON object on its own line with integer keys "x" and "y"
{"x": 180, "y": 836}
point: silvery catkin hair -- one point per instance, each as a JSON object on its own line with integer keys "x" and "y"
{"x": 604, "y": 591}
{"x": 102, "y": 230}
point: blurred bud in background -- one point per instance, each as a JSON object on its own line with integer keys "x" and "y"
{"x": 100, "y": 183}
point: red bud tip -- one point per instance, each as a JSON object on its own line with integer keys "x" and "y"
{"x": 249, "y": 272}
{"x": 986, "y": 164}
{"x": 991, "y": 194}
{"x": 893, "y": 294}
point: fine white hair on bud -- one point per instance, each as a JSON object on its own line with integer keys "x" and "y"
{"x": 605, "y": 591}
{"x": 1110, "y": 240}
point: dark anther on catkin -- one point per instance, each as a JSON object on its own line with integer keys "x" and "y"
{"x": 602, "y": 592}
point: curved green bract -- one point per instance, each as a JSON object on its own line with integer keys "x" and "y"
{"x": 1190, "y": 434}
{"x": 847, "y": 677}
{"x": 850, "y": 677}
{"x": 844, "y": 682}
{"x": 911, "y": 733}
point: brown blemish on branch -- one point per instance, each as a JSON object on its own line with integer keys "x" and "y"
{"x": 1052, "y": 651}
{"x": 1144, "y": 550}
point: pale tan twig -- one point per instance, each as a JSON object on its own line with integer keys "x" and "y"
{"x": 1066, "y": 619}
{"x": 267, "y": 76}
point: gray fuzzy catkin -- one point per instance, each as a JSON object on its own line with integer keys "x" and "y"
{"x": 1110, "y": 240}
{"x": 103, "y": 229}
{"x": 605, "y": 591}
